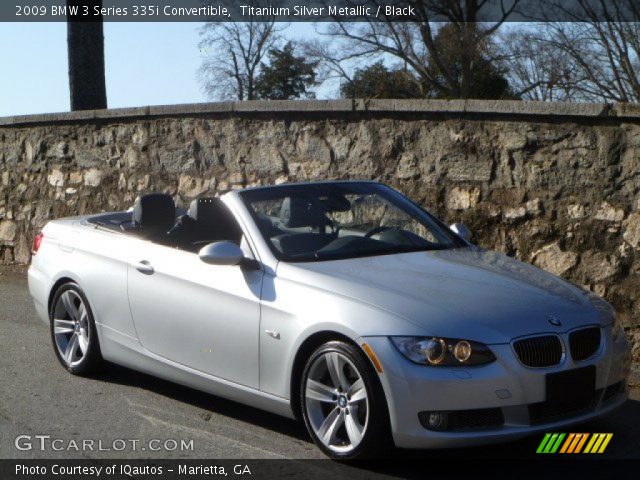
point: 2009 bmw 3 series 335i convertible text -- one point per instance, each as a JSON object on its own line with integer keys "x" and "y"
{"x": 343, "y": 304}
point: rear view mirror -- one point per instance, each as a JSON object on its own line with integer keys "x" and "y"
{"x": 460, "y": 230}
{"x": 221, "y": 253}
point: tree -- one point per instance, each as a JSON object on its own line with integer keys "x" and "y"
{"x": 378, "y": 81}
{"x": 537, "y": 70}
{"x": 472, "y": 72}
{"x": 421, "y": 48}
{"x": 286, "y": 75}
{"x": 234, "y": 51}
{"x": 599, "y": 43}
{"x": 85, "y": 45}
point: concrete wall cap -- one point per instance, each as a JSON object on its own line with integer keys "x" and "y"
{"x": 507, "y": 108}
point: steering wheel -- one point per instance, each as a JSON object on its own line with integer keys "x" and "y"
{"x": 375, "y": 230}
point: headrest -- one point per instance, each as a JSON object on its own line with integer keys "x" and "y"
{"x": 206, "y": 209}
{"x": 298, "y": 212}
{"x": 213, "y": 219}
{"x": 155, "y": 211}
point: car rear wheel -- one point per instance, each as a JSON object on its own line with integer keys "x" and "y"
{"x": 73, "y": 331}
{"x": 343, "y": 405}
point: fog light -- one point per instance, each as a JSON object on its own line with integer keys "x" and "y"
{"x": 433, "y": 420}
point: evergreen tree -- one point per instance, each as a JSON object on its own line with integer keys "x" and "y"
{"x": 378, "y": 81}
{"x": 285, "y": 76}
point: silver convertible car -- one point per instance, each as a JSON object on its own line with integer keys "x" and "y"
{"x": 343, "y": 304}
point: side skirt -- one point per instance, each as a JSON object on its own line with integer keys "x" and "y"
{"x": 127, "y": 351}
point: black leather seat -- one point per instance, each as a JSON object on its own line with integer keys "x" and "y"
{"x": 153, "y": 216}
{"x": 299, "y": 213}
{"x": 207, "y": 220}
{"x": 214, "y": 221}
{"x": 183, "y": 232}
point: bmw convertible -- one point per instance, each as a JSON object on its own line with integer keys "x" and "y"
{"x": 343, "y": 304}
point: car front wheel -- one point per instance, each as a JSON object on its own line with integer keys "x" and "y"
{"x": 343, "y": 404}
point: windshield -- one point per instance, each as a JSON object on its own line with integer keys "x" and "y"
{"x": 329, "y": 221}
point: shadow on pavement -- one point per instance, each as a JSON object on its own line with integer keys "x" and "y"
{"x": 622, "y": 423}
{"x": 218, "y": 405}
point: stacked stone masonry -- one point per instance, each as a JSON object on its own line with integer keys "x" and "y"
{"x": 557, "y": 185}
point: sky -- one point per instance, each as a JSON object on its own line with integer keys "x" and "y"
{"x": 146, "y": 64}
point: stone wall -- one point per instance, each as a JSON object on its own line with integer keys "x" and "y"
{"x": 553, "y": 184}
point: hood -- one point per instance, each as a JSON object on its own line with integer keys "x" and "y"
{"x": 459, "y": 293}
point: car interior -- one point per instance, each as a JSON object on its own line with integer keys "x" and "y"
{"x": 155, "y": 217}
{"x": 207, "y": 220}
{"x": 300, "y": 226}
{"x": 297, "y": 213}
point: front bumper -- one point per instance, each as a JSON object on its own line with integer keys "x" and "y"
{"x": 518, "y": 392}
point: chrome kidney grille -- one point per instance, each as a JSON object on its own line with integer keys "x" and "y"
{"x": 584, "y": 343}
{"x": 542, "y": 351}
{"x": 546, "y": 350}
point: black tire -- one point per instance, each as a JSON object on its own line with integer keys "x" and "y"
{"x": 376, "y": 438}
{"x": 91, "y": 361}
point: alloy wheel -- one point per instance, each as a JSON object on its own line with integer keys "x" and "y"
{"x": 336, "y": 402}
{"x": 71, "y": 328}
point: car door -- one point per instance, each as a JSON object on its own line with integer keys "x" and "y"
{"x": 202, "y": 316}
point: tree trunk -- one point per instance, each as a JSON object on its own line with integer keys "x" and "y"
{"x": 85, "y": 44}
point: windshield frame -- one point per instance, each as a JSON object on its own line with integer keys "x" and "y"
{"x": 399, "y": 200}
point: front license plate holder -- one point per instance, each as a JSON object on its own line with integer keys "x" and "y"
{"x": 571, "y": 387}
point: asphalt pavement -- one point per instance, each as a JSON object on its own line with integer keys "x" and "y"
{"x": 131, "y": 415}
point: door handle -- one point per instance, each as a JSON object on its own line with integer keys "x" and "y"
{"x": 144, "y": 266}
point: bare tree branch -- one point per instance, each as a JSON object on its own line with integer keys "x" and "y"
{"x": 232, "y": 53}
{"x": 415, "y": 44}
{"x": 603, "y": 43}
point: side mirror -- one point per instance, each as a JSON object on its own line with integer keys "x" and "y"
{"x": 461, "y": 231}
{"x": 221, "y": 253}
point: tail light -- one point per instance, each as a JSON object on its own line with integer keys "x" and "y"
{"x": 37, "y": 241}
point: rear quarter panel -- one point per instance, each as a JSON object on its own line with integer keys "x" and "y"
{"x": 93, "y": 258}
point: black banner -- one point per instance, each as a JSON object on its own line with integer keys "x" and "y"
{"x": 320, "y": 10}
{"x": 430, "y": 467}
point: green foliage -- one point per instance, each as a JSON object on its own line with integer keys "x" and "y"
{"x": 465, "y": 61}
{"x": 378, "y": 81}
{"x": 286, "y": 76}
{"x": 461, "y": 64}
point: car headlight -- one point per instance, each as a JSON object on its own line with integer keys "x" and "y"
{"x": 449, "y": 352}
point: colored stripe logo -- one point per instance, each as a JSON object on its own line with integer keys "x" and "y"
{"x": 574, "y": 443}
